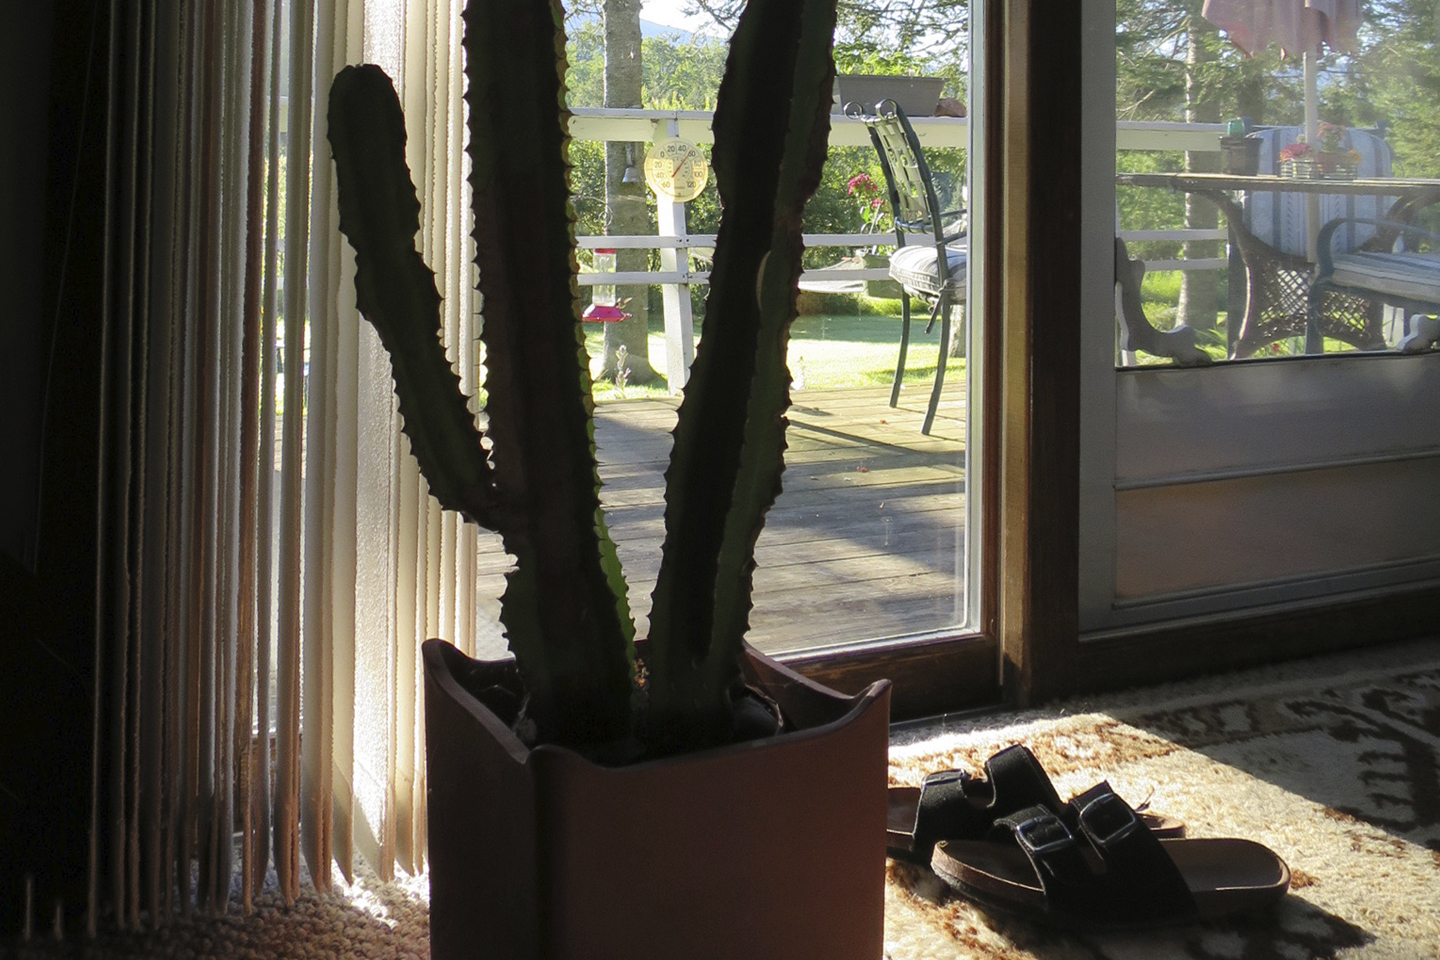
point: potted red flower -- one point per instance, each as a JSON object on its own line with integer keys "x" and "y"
{"x": 1331, "y": 159}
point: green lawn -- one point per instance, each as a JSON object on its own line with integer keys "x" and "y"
{"x": 1160, "y": 293}
{"x": 827, "y": 351}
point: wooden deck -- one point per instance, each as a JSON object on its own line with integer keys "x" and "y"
{"x": 866, "y": 541}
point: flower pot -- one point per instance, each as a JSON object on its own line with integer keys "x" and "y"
{"x": 1320, "y": 167}
{"x": 764, "y": 849}
{"x": 880, "y": 289}
{"x": 1336, "y": 167}
{"x": 917, "y": 96}
{"x": 1240, "y": 156}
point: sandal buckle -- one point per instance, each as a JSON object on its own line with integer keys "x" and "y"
{"x": 1107, "y": 820}
{"x": 1044, "y": 835}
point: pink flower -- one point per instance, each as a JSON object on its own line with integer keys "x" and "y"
{"x": 1295, "y": 151}
{"x": 871, "y": 201}
{"x": 861, "y": 183}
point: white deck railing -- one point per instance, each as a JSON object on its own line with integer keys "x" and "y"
{"x": 676, "y": 273}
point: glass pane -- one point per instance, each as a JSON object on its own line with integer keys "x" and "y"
{"x": 1341, "y": 109}
{"x": 868, "y": 538}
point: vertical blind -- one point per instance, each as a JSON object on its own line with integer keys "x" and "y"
{"x": 271, "y": 556}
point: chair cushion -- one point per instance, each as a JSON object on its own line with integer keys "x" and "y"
{"x": 1414, "y": 276}
{"x": 914, "y": 267}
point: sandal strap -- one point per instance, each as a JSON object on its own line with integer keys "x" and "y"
{"x": 949, "y": 808}
{"x": 1017, "y": 780}
{"x": 1057, "y": 858}
{"x": 945, "y": 811}
{"x": 1136, "y": 880}
{"x": 951, "y": 804}
{"x": 1145, "y": 883}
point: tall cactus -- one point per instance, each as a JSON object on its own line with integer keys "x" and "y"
{"x": 534, "y": 478}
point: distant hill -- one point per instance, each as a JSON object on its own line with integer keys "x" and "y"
{"x": 648, "y": 29}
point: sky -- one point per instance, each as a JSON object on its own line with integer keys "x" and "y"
{"x": 670, "y": 13}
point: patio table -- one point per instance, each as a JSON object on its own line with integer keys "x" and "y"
{"x": 1277, "y": 283}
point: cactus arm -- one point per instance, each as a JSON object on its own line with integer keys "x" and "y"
{"x": 395, "y": 290}
{"x": 564, "y": 606}
{"x": 762, "y": 457}
{"x": 727, "y": 456}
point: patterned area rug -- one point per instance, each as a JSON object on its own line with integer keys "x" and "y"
{"x": 1334, "y": 764}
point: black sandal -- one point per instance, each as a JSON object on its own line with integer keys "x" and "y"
{"x": 954, "y": 805}
{"x": 1109, "y": 873}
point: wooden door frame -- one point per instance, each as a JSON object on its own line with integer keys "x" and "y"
{"x": 1040, "y": 371}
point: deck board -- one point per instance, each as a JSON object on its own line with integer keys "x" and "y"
{"x": 865, "y": 541}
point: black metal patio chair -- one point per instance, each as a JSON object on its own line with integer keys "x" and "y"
{"x": 934, "y": 269}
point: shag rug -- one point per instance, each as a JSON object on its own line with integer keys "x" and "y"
{"x": 1334, "y": 763}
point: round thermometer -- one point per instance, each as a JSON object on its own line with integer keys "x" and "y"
{"x": 676, "y": 168}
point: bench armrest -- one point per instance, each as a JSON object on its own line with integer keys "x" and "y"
{"x": 1327, "y": 234}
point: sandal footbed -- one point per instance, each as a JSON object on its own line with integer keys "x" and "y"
{"x": 1225, "y": 876}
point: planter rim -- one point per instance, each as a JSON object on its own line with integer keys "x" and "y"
{"x": 888, "y": 76}
{"x": 437, "y": 652}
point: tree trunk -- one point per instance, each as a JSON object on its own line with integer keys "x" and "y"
{"x": 1199, "y": 289}
{"x": 626, "y": 212}
{"x": 957, "y": 329}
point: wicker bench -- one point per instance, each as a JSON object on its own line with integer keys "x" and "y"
{"x": 1405, "y": 278}
{"x": 1274, "y": 248}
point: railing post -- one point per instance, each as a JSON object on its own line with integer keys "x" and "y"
{"x": 679, "y": 328}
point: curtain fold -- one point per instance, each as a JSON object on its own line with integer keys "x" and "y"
{"x": 271, "y": 558}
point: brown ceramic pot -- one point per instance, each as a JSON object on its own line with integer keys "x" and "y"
{"x": 767, "y": 850}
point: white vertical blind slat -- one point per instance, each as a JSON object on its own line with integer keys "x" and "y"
{"x": 177, "y": 548}
{"x": 168, "y": 270}
{"x": 185, "y": 678}
{"x": 412, "y": 496}
{"x": 346, "y": 536}
{"x": 131, "y": 439}
{"x": 297, "y": 218}
{"x": 210, "y": 368}
{"x": 159, "y": 102}
{"x": 254, "y": 77}
{"x": 417, "y": 70}
{"x": 235, "y": 177}
{"x": 319, "y": 484}
{"x": 112, "y": 587}
{"x": 260, "y": 798}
